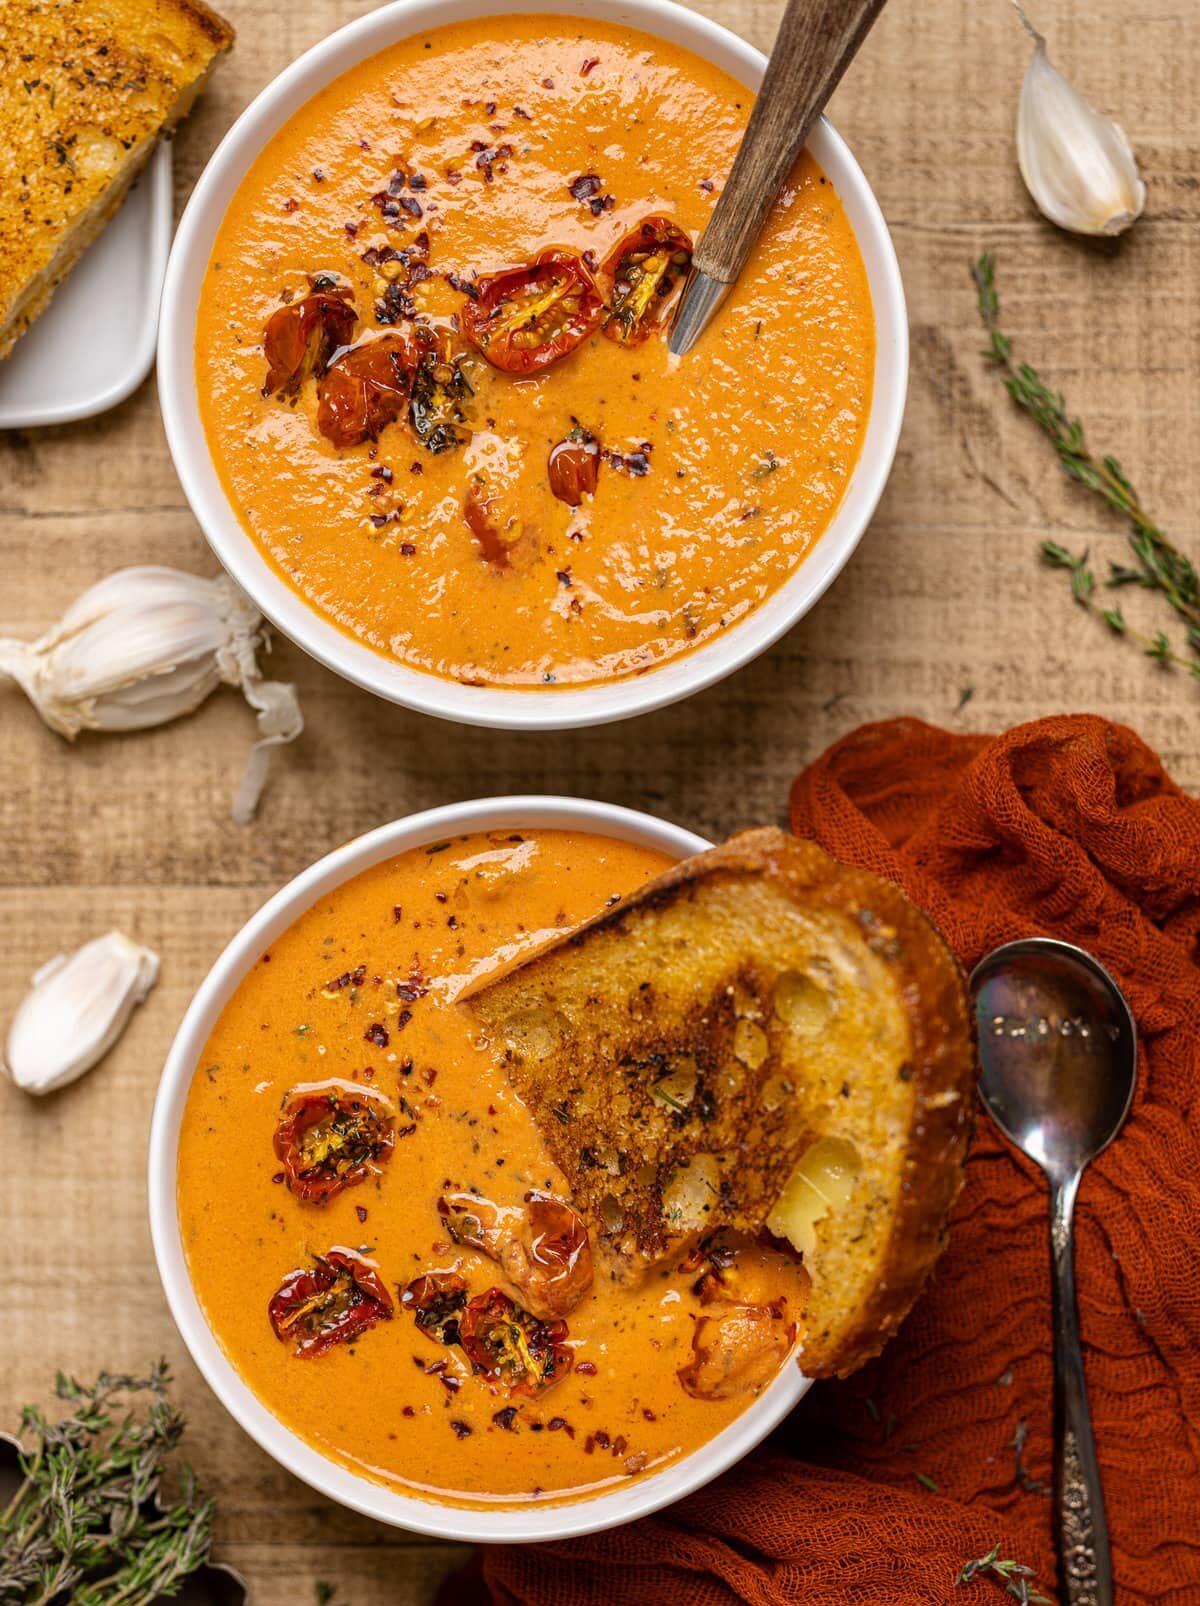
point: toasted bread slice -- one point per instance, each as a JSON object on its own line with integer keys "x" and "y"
{"x": 760, "y": 1036}
{"x": 86, "y": 89}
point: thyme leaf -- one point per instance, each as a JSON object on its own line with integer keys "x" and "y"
{"x": 1160, "y": 565}
{"x": 1012, "y": 1574}
{"x": 1083, "y": 585}
{"x": 85, "y": 1525}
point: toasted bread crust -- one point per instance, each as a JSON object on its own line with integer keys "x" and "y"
{"x": 86, "y": 89}
{"x": 907, "y": 958}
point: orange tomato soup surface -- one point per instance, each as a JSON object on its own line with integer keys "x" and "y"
{"x": 403, "y": 189}
{"x": 358, "y": 997}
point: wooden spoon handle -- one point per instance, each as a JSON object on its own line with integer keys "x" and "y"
{"x": 817, "y": 39}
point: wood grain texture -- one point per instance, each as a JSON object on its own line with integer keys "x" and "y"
{"x": 816, "y": 41}
{"x": 943, "y": 594}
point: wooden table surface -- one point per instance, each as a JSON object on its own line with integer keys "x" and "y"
{"x": 944, "y": 595}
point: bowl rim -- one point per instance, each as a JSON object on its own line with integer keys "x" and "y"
{"x": 498, "y": 1524}
{"x": 503, "y": 708}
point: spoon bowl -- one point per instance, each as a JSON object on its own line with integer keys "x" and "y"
{"x": 1058, "y": 1049}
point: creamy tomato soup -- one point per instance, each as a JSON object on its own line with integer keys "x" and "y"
{"x": 378, "y": 1238}
{"x": 432, "y": 364}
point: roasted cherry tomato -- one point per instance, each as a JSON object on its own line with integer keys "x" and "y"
{"x": 483, "y": 519}
{"x": 736, "y": 1350}
{"x": 642, "y": 275}
{"x": 301, "y": 338}
{"x": 527, "y": 318}
{"x": 512, "y": 1346}
{"x": 440, "y": 391}
{"x": 573, "y": 467}
{"x": 437, "y": 1301}
{"x": 543, "y": 1249}
{"x": 334, "y": 1301}
{"x": 365, "y": 389}
{"x": 330, "y": 1136}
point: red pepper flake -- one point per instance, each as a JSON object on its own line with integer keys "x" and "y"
{"x": 547, "y": 83}
{"x": 417, "y": 181}
{"x": 506, "y": 1418}
{"x": 585, "y": 186}
{"x": 556, "y": 1424}
{"x": 397, "y": 913}
{"x": 489, "y": 109}
{"x": 519, "y": 111}
{"x": 406, "y": 1131}
{"x": 453, "y": 176}
{"x": 441, "y": 896}
{"x": 278, "y": 1177}
{"x": 382, "y": 472}
{"x": 402, "y": 1019}
{"x": 412, "y": 989}
{"x": 407, "y": 549}
{"x": 450, "y": 1384}
{"x": 377, "y": 1033}
{"x": 368, "y": 1073}
{"x": 602, "y": 1439}
{"x": 291, "y": 204}
{"x": 563, "y": 576}
{"x": 592, "y": 61}
{"x": 584, "y": 1368}
{"x": 408, "y": 1411}
{"x": 646, "y": 1412}
{"x": 462, "y": 1430}
{"x": 351, "y": 229}
{"x": 637, "y": 1462}
{"x": 453, "y": 922}
{"x": 361, "y": 1212}
{"x": 318, "y": 175}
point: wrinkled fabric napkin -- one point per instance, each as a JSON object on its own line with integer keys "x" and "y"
{"x": 880, "y": 1488}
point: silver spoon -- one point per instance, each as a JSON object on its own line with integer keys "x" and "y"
{"x": 1058, "y": 1051}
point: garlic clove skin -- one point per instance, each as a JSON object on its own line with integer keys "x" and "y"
{"x": 1078, "y": 165}
{"x": 147, "y": 645}
{"x": 77, "y": 1007}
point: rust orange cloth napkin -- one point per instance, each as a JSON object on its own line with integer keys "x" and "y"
{"x": 1068, "y": 827}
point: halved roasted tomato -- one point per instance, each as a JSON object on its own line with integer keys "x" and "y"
{"x": 333, "y": 1301}
{"x": 641, "y": 276}
{"x": 301, "y": 338}
{"x": 736, "y": 1350}
{"x": 527, "y": 318}
{"x": 365, "y": 389}
{"x": 512, "y": 1346}
{"x": 332, "y": 1135}
{"x": 543, "y": 1249}
{"x": 437, "y": 1301}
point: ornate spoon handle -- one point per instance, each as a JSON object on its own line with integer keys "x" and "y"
{"x": 1084, "y": 1558}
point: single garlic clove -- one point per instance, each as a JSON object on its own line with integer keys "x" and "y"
{"x": 77, "y": 1007}
{"x": 1077, "y": 164}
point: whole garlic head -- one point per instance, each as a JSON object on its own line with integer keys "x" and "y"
{"x": 1078, "y": 165}
{"x": 76, "y": 1009}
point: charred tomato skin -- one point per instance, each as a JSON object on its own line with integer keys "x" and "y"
{"x": 642, "y": 275}
{"x": 525, "y": 319}
{"x": 333, "y": 1301}
{"x": 365, "y": 389}
{"x": 437, "y": 1301}
{"x": 300, "y": 339}
{"x": 359, "y": 1135}
{"x": 513, "y": 1347}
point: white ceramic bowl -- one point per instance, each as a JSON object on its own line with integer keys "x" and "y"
{"x": 477, "y": 705}
{"x": 504, "y": 1523}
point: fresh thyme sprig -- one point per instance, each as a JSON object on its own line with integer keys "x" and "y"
{"x": 84, "y": 1525}
{"x": 1083, "y": 587}
{"x": 1012, "y": 1574}
{"x": 1160, "y": 565}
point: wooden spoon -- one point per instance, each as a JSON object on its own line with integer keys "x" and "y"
{"x": 816, "y": 42}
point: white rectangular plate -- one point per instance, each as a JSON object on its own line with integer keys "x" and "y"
{"x": 94, "y": 344}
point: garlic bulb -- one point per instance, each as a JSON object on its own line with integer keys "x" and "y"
{"x": 1077, "y": 164}
{"x": 145, "y": 646}
{"x": 78, "y": 1006}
